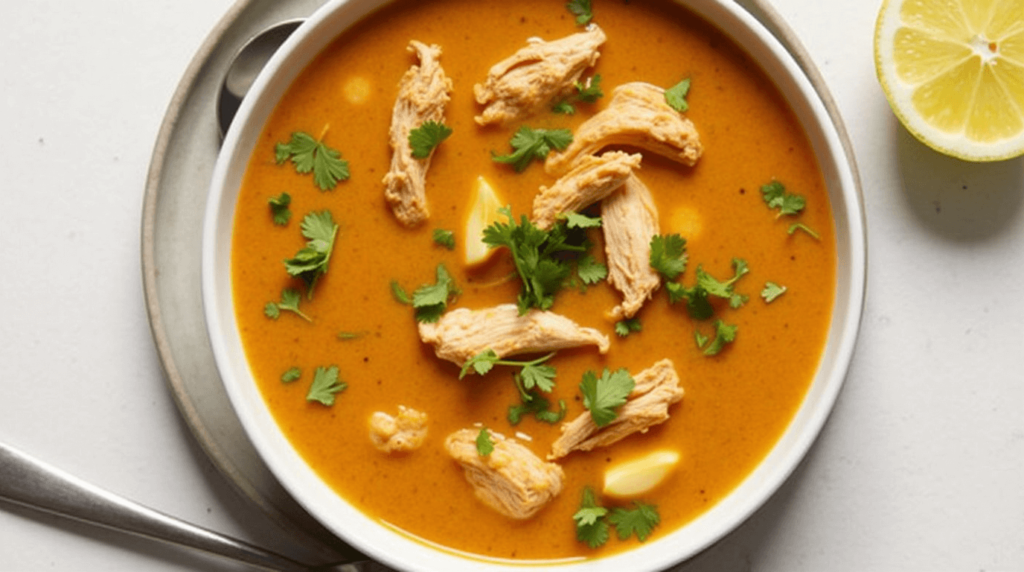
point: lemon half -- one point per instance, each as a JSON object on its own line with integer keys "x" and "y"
{"x": 953, "y": 72}
{"x": 483, "y": 210}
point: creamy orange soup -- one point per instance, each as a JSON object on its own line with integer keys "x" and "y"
{"x": 736, "y": 403}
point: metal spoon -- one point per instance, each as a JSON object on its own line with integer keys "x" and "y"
{"x": 31, "y": 483}
{"x": 245, "y": 66}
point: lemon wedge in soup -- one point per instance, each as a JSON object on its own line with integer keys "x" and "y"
{"x": 641, "y": 475}
{"x": 953, "y": 72}
{"x": 483, "y": 211}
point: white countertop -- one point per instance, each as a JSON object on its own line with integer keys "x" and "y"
{"x": 921, "y": 466}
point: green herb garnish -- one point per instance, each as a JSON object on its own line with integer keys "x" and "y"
{"x": 445, "y": 238}
{"x": 533, "y": 374}
{"x": 431, "y": 300}
{"x": 639, "y": 520}
{"x": 290, "y": 299}
{"x": 538, "y": 406}
{"x": 484, "y": 445}
{"x": 696, "y": 296}
{"x": 588, "y": 91}
{"x": 293, "y": 374}
{"x": 776, "y": 197}
{"x": 309, "y": 154}
{"x": 591, "y": 526}
{"x": 772, "y": 291}
{"x": 530, "y": 144}
{"x": 668, "y": 255}
{"x": 310, "y": 263}
{"x": 325, "y": 386}
{"x": 582, "y": 10}
{"x": 426, "y": 137}
{"x": 279, "y": 208}
{"x": 625, "y": 327}
{"x": 724, "y": 334}
{"x": 602, "y": 395}
{"x": 675, "y": 96}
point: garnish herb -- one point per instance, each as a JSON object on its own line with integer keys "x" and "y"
{"x": 590, "y": 270}
{"x": 293, "y": 374}
{"x": 431, "y": 300}
{"x": 400, "y": 294}
{"x": 772, "y": 291}
{"x": 279, "y": 208}
{"x": 776, "y": 197}
{"x": 580, "y": 220}
{"x": 325, "y": 386}
{"x": 639, "y": 520}
{"x": 484, "y": 445}
{"x": 724, "y": 334}
{"x": 700, "y": 338}
{"x": 668, "y": 255}
{"x": 602, "y": 395}
{"x": 675, "y": 96}
{"x": 530, "y": 144}
{"x": 534, "y": 374}
{"x": 591, "y": 527}
{"x": 582, "y": 10}
{"x": 535, "y": 404}
{"x": 539, "y": 257}
{"x": 289, "y": 302}
{"x": 309, "y": 154}
{"x": 445, "y": 238}
{"x": 349, "y": 335}
{"x": 625, "y": 327}
{"x": 425, "y": 138}
{"x": 801, "y": 226}
{"x": 696, "y": 296}
{"x": 310, "y": 263}
{"x": 588, "y": 91}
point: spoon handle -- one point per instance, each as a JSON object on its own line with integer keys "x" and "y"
{"x": 31, "y": 483}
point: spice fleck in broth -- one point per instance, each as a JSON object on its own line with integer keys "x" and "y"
{"x": 330, "y": 349}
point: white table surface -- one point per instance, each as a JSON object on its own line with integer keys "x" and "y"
{"x": 921, "y": 466}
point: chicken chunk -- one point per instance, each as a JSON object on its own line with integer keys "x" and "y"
{"x": 637, "y": 116}
{"x": 591, "y": 179}
{"x": 403, "y": 432}
{"x": 511, "y": 479}
{"x": 422, "y": 95}
{"x": 629, "y": 219}
{"x": 656, "y": 388}
{"x": 462, "y": 333}
{"x": 536, "y": 75}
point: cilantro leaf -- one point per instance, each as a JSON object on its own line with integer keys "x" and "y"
{"x": 776, "y": 197}
{"x": 591, "y": 526}
{"x": 292, "y": 374}
{"x": 535, "y": 404}
{"x": 602, "y": 395}
{"x": 579, "y": 220}
{"x": 325, "y": 385}
{"x": 772, "y": 291}
{"x": 431, "y": 300}
{"x": 530, "y": 144}
{"x": 699, "y": 338}
{"x": 582, "y": 10}
{"x": 590, "y": 270}
{"x": 668, "y": 255}
{"x": 279, "y": 208}
{"x": 697, "y": 296}
{"x": 724, "y": 334}
{"x": 425, "y": 138}
{"x": 801, "y": 226}
{"x": 588, "y": 91}
{"x": 534, "y": 374}
{"x": 309, "y": 154}
{"x": 399, "y": 293}
{"x": 484, "y": 445}
{"x": 311, "y": 261}
{"x": 625, "y": 327}
{"x": 675, "y": 96}
{"x": 639, "y": 520}
{"x": 289, "y": 301}
{"x": 445, "y": 238}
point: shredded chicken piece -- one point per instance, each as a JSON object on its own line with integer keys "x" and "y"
{"x": 629, "y": 219}
{"x": 536, "y": 75}
{"x": 422, "y": 95}
{"x": 403, "y": 432}
{"x": 591, "y": 179}
{"x": 462, "y": 333}
{"x": 656, "y": 388}
{"x": 638, "y": 116}
{"x": 511, "y": 479}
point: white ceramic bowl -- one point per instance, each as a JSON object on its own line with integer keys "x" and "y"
{"x": 398, "y": 549}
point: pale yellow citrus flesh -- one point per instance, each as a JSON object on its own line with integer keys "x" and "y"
{"x": 953, "y": 72}
{"x": 483, "y": 211}
{"x": 641, "y": 475}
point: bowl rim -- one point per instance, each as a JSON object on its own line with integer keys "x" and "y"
{"x": 397, "y": 548}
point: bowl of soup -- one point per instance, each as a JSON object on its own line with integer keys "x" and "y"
{"x": 516, "y": 285}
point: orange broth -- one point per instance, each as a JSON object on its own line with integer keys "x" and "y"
{"x": 736, "y": 404}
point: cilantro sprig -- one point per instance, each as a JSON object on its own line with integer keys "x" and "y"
{"x": 429, "y": 300}
{"x": 325, "y": 386}
{"x": 533, "y": 403}
{"x": 279, "y": 210}
{"x": 290, "y": 299}
{"x": 582, "y": 10}
{"x": 628, "y": 326}
{"x": 787, "y": 204}
{"x": 675, "y": 96}
{"x": 593, "y": 520}
{"x": 529, "y": 144}
{"x": 591, "y": 526}
{"x": 533, "y": 374}
{"x": 724, "y": 334}
{"x": 697, "y": 296}
{"x": 603, "y": 395}
{"x": 310, "y": 263}
{"x": 425, "y": 138}
{"x": 313, "y": 155}
{"x": 772, "y": 291}
{"x": 587, "y": 91}
{"x": 668, "y": 255}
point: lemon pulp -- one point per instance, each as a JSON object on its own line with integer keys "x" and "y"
{"x": 483, "y": 211}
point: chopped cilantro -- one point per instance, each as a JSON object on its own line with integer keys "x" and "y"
{"x": 724, "y": 334}
{"x": 590, "y": 270}
{"x": 579, "y": 220}
{"x": 801, "y": 226}
{"x": 431, "y": 300}
{"x": 534, "y": 374}
{"x": 289, "y": 301}
{"x": 625, "y": 327}
{"x": 772, "y": 291}
{"x": 582, "y": 10}
{"x": 400, "y": 294}
{"x": 639, "y": 520}
{"x": 675, "y": 96}
{"x": 696, "y": 296}
{"x": 591, "y": 526}
{"x": 602, "y": 395}
{"x": 588, "y": 91}
{"x": 445, "y": 238}
{"x": 484, "y": 445}
{"x": 279, "y": 208}
{"x": 310, "y": 263}
{"x": 325, "y": 385}
{"x": 535, "y": 404}
{"x": 668, "y": 255}
{"x": 293, "y": 374}
{"x": 530, "y": 144}
{"x": 309, "y": 154}
{"x": 425, "y": 138}
{"x": 700, "y": 338}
